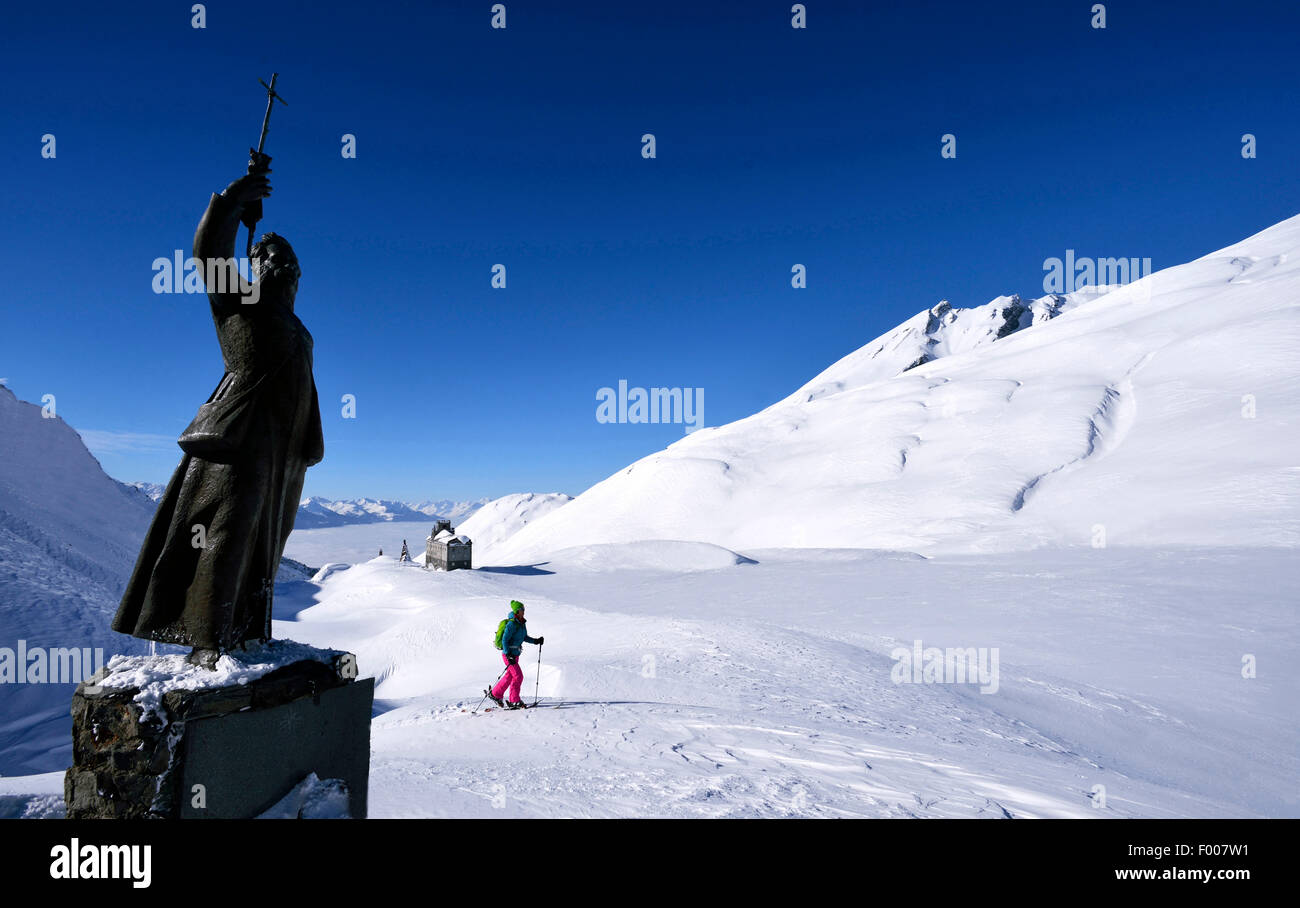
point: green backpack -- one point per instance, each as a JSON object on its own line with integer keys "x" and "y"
{"x": 501, "y": 629}
{"x": 515, "y": 605}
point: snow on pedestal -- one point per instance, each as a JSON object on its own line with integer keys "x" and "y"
{"x": 154, "y": 736}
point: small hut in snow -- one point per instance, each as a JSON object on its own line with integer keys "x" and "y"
{"x": 445, "y": 550}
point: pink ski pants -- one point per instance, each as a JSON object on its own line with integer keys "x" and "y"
{"x": 513, "y": 678}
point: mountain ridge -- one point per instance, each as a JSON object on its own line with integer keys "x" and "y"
{"x": 1114, "y": 415}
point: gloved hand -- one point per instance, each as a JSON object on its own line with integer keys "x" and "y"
{"x": 541, "y": 640}
{"x": 512, "y": 660}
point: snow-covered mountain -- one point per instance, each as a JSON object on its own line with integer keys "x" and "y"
{"x": 455, "y": 511}
{"x": 69, "y": 536}
{"x": 151, "y": 490}
{"x": 1161, "y": 412}
{"x": 938, "y": 332}
{"x": 323, "y": 512}
{"x": 503, "y": 517}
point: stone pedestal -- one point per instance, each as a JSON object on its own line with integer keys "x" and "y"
{"x": 227, "y": 752}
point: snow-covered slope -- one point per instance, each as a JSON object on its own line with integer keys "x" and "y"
{"x": 69, "y": 536}
{"x": 501, "y": 518}
{"x": 1163, "y": 412}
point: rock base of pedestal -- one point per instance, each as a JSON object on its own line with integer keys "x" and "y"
{"x": 228, "y": 751}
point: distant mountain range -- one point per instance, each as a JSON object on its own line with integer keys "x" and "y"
{"x": 323, "y": 512}
{"x": 316, "y": 512}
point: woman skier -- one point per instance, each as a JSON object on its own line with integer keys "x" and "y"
{"x": 514, "y": 634}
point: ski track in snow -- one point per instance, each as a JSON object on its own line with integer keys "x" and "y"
{"x": 1108, "y": 426}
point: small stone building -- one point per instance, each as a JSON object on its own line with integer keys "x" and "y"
{"x": 446, "y": 551}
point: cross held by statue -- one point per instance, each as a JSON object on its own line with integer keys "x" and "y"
{"x": 259, "y": 162}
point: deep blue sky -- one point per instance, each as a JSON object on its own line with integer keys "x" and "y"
{"x": 522, "y": 146}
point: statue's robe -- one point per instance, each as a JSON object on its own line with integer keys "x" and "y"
{"x": 259, "y": 432}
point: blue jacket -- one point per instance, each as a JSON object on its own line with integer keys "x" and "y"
{"x": 515, "y": 636}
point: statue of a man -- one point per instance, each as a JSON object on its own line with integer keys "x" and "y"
{"x": 206, "y": 572}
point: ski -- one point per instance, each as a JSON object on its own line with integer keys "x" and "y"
{"x": 488, "y": 695}
{"x": 498, "y": 709}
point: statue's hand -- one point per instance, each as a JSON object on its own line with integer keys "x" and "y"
{"x": 249, "y": 187}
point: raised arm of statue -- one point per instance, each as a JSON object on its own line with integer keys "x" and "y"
{"x": 214, "y": 240}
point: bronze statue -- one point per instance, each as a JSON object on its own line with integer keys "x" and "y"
{"x": 206, "y": 572}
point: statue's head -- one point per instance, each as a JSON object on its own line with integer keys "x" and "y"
{"x": 273, "y": 262}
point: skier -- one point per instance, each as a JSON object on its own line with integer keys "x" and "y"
{"x": 513, "y": 634}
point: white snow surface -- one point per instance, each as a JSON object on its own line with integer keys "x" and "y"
{"x": 1127, "y": 412}
{"x": 34, "y": 797}
{"x": 764, "y": 689}
{"x": 672, "y": 555}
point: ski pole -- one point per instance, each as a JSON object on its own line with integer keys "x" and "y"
{"x": 538, "y": 686}
{"x": 494, "y": 684}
